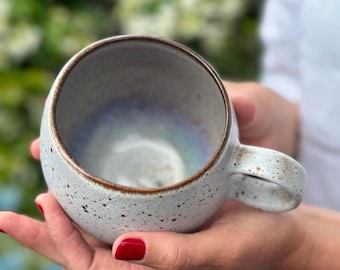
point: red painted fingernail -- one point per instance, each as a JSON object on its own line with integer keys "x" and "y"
{"x": 41, "y": 210}
{"x": 131, "y": 249}
{"x": 2, "y": 231}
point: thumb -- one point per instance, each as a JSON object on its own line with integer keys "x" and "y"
{"x": 245, "y": 109}
{"x": 163, "y": 250}
{"x": 244, "y": 102}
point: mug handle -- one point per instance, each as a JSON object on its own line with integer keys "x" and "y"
{"x": 267, "y": 179}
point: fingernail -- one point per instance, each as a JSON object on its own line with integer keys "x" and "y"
{"x": 131, "y": 249}
{"x": 41, "y": 210}
{"x": 2, "y": 231}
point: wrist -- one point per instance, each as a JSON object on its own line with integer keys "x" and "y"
{"x": 315, "y": 243}
{"x": 297, "y": 246}
{"x": 289, "y": 246}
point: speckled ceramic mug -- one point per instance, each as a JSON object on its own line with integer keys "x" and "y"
{"x": 138, "y": 133}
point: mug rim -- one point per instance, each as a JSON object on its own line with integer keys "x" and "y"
{"x": 70, "y": 160}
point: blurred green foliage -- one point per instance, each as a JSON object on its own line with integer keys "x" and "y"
{"x": 38, "y": 36}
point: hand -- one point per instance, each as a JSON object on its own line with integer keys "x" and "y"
{"x": 234, "y": 239}
{"x": 228, "y": 241}
{"x": 265, "y": 118}
{"x": 237, "y": 237}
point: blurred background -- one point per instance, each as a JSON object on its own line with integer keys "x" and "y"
{"x": 38, "y": 36}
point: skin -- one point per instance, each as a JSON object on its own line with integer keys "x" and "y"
{"x": 264, "y": 117}
{"x": 237, "y": 237}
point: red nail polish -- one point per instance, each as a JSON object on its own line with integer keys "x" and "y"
{"x": 41, "y": 210}
{"x": 131, "y": 249}
{"x": 2, "y": 231}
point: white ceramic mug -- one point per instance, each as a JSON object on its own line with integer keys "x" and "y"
{"x": 138, "y": 133}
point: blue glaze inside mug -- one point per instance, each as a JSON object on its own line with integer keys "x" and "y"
{"x": 143, "y": 145}
{"x": 142, "y": 113}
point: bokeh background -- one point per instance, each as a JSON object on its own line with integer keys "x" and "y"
{"x": 38, "y": 36}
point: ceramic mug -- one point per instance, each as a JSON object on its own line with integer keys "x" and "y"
{"x": 138, "y": 133}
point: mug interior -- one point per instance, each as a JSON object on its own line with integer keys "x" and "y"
{"x": 146, "y": 74}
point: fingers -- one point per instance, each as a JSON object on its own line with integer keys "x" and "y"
{"x": 245, "y": 109}
{"x": 244, "y": 101}
{"x": 221, "y": 244}
{"x": 167, "y": 250}
{"x": 264, "y": 117}
{"x": 65, "y": 236}
{"x": 58, "y": 238}
{"x": 35, "y": 149}
{"x": 70, "y": 244}
{"x": 30, "y": 233}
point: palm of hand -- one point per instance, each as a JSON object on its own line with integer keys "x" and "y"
{"x": 228, "y": 241}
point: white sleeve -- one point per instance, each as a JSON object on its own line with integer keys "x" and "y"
{"x": 280, "y": 62}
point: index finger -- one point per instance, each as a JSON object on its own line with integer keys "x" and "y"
{"x": 35, "y": 149}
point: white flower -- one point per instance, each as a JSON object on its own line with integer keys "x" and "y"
{"x": 210, "y": 21}
{"x": 5, "y": 7}
{"x": 160, "y": 23}
{"x": 18, "y": 40}
{"x": 23, "y": 40}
